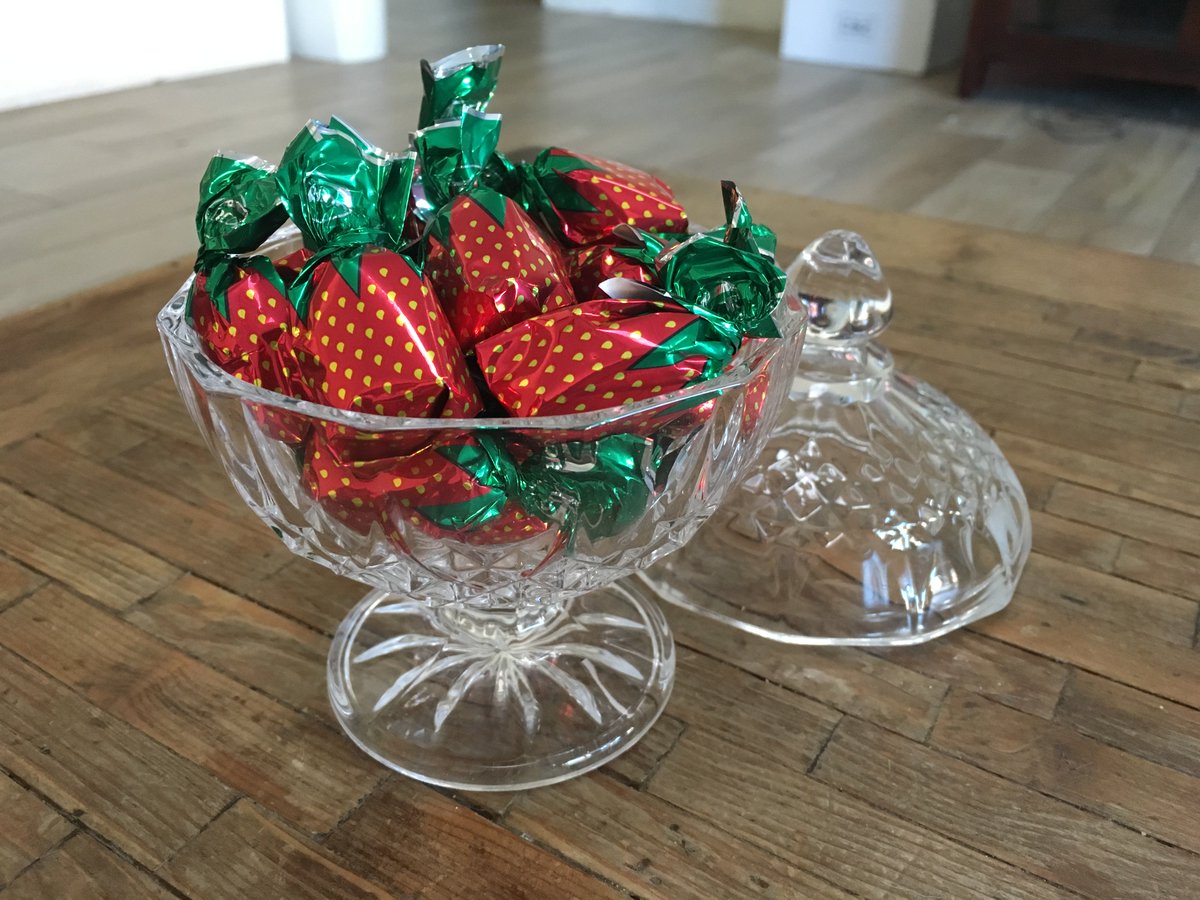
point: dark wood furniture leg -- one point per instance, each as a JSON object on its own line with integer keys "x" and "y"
{"x": 989, "y": 21}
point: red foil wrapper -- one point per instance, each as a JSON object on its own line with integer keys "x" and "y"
{"x": 592, "y": 196}
{"x": 491, "y": 266}
{"x": 432, "y": 488}
{"x": 256, "y": 342}
{"x": 599, "y": 354}
{"x": 589, "y": 266}
{"x": 377, "y": 342}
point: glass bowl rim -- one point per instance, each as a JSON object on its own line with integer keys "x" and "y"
{"x": 174, "y": 327}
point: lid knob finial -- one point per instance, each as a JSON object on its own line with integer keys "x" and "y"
{"x": 839, "y": 282}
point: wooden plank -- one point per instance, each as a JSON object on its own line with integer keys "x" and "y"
{"x": 849, "y": 680}
{"x": 1124, "y": 478}
{"x": 924, "y": 302}
{"x": 1109, "y": 385}
{"x": 1134, "y": 518}
{"x": 1140, "y": 723}
{"x": 52, "y": 340}
{"x": 1164, "y": 346}
{"x": 1002, "y": 194}
{"x": 1041, "y": 835}
{"x": 83, "y": 867}
{"x": 1176, "y": 373}
{"x": 28, "y": 829}
{"x": 1136, "y": 607}
{"x": 87, "y": 558}
{"x": 1067, "y": 406}
{"x": 973, "y": 255}
{"x": 652, "y": 848}
{"x": 1160, "y": 567}
{"x": 1020, "y": 345}
{"x": 637, "y": 764}
{"x": 237, "y": 637}
{"x": 157, "y": 408}
{"x": 1037, "y": 486}
{"x": 16, "y": 581}
{"x": 98, "y": 435}
{"x": 749, "y": 778}
{"x": 1057, "y": 760}
{"x": 990, "y": 668}
{"x": 1073, "y": 542}
{"x": 1063, "y": 631}
{"x": 1101, "y": 438}
{"x": 309, "y": 593}
{"x": 290, "y": 763}
{"x": 244, "y": 853}
{"x": 234, "y": 553}
{"x": 183, "y": 469}
{"x": 142, "y": 797}
{"x": 447, "y": 851}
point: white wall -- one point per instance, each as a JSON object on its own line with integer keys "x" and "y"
{"x": 54, "y": 49}
{"x": 762, "y": 15}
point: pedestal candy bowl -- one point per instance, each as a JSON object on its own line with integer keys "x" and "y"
{"x": 502, "y": 656}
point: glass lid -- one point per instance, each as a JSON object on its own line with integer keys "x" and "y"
{"x": 879, "y": 514}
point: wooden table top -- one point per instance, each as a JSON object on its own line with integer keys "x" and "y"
{"x": 163, "y": 722}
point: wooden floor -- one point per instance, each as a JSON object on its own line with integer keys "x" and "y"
{"x": 105, "y": 186}
{"x": 163, "y": 723}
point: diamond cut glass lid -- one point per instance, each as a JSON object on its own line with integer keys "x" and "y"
{"x": 879, "y": 514}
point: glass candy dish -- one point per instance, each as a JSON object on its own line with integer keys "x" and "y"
{"x": 879, "y": 513}
{"x": 500, "y": 665}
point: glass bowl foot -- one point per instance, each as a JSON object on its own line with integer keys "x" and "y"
{"x": 480, "y": 699}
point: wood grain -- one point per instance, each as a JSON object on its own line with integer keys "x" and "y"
{"x": 78, "y": 554}
{"x": 254, "y": 744}
{"x": 1057, "y": 761}
{"x": 234, "y": 553}
{"x": 652, "y": 848}
{"x": 448, "y": 852}
{"x": 28, "y": 829}
{"x": 244, "y": 853}
{"x": 83, "y": 867}
{"x": 110, "y": 776}
{"x": 163, "y": 728}
{"x": 1047, "y": 837}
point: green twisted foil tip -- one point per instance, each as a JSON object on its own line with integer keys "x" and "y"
{"x": 599, "y": 486}
{"x": 341, "y": 191}
{"x": 461, "y": 81}
{"x": 453, "y": 155}
{"x": 725, "y": 275}
{"x": 239, "y": 205}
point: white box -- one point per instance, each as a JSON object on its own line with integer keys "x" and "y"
{"x": 911, "y": 36}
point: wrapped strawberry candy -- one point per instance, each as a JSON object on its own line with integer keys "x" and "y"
{"x": 581, "y": 199}
{"x": 628, "y": 254}
{"x": 489, "y": 263}
{"x": 239, "y": 304}
{"x": 597, "y": 487}
{"x": 599, "y": 354}
{"x": 728, "y": 275}
{"x": 373, "y": 338}
{"x": 457, "y": 487}
{"x": 461, "y": 81}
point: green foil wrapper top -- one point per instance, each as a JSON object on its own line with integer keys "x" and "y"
{"x": 489, "y": 465}
{"x": 458, "y": 82}
{"x": 728, "y": 275}
{"x": 239, "y": 205}
{"x": 453, "y": 155}
{"x": 342, "y": 191}
{"x": 600, "y": 486}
